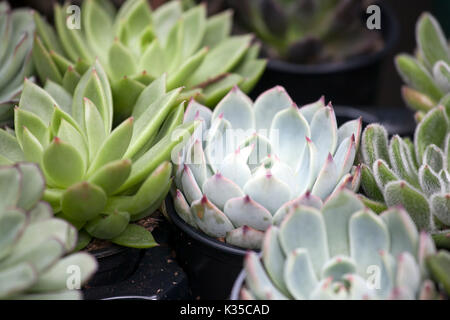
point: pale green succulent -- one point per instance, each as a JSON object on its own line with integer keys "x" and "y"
{"x": 98, "y": 178}
{"x": 16, "y": 32}
{"x": 250, "y": 160}
{"x": 427, "y": 75}
{"x": 137, "y": 45}
{"x": 35, "y": 248}
{"x": 341, "y": 251}
{"x": 413, "y": 175}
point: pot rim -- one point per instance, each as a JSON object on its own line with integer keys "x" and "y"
{"x": 108, "y": 251}
{"x": 390, "y": 37}
{"x": 238, "y": 283}
{"x": 199, "y": 235}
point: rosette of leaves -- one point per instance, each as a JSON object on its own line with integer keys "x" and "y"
{"x": 309, "y": 31}
{"x": 427, "y": 74}
{"x": 98, "y": 178}
{"x": 137, "y": 45}
{"x": 250, "y": 161}
{"x": 35, "y": 247}
{"x": 414, "y": 174}
{"x": 16, "y": 31}
{"x": 341, "y": 250}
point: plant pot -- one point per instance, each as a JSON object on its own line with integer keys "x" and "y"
{"x": 210, "y": 264}
{"x": 156, "y": 276}
{"x": 352, "y": 82}
{"x": 396, "y": 120}
{"x": 115, "y": 264}
{"x": 238, "y": 283}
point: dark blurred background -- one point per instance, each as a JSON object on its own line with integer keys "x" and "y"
{"x": 407, "y": 12}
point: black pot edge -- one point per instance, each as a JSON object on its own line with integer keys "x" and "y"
{"x": 199, "y": 235}
{"x": 350, "y": 64}
{"x": 108, "y": 251}
{"x": 237, "y": 286}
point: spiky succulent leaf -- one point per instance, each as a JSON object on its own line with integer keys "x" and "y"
{"x": 98, "y": 178}
{"x": 138, "y": 45}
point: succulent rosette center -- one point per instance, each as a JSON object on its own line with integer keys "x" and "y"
{"x": 248, "y": 161}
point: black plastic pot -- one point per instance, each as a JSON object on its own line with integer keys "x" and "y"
{"x": 396, "y": 120}
{"x": 156, "y": 277}
{"x": 353, "y": 82}
{"x": 211, "y": 265}
{"x": 115, "y": 264}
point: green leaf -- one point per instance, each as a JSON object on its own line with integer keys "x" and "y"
{"x": 70, "y": 80}
{"x": 10, "y": 148}
{"x": 32, "y": 148}
{"x": 431, "y": 130}
{"x": 216, "y": 90}
{"x": 440, "y": 207}
{"x": 114, "y": 147}
{"x": 152, "y": 92}
{"x": 121, "y": 61}
{"x": 94, "y": 128}
{"x": 150, "y": 121}
{"x": 112, "y": 175}
{"x": 194, "y": 21}
{"x": 126, "y": 92}
{"x": 401, "y": 161}
{"x": 221, "y": 59}
{"x": 400, "y": 193}
{"x": 416, "y": 100}
{"x": 63, "y": 164}
{"x": 369, "y": 184}
{"x": 416, "y": 76}
{"x": 83, "y": 240}
{"x": 108, "y": 226}
{"x": 83, "y": 201}
{"x": 439, "y": 266}
{"x": 185, "y": 70}
{"x": 431, "y": 40}
{"x": 135, "y": 236}
{"x": 37, "y": 101}
{"x": 44, "y": 64}
{"x": 374, "y": 144}
{"x": 218, "y": 28}
{"x": 26, "y": 119}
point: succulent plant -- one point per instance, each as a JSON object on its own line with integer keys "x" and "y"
{"x": 248, "y": 161}
{"x": 16, "y": 31}
{"x": 414, "y": 175}
{"x": 35, "y": 248}
{"x": 341, "y": 250}
{"x": 439, "y": 267}
{"x": 99, "y": 179}
{"x": 309, "y": 31}
{"x": 137, "y": 45}
{"x": 427, "y": 75}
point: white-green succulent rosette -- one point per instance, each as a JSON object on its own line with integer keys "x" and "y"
{"x": 341, "y": 250}
{"x": 36, "y": 249}
{"x": 17, "y": 32}
{"x": 249, "y": 161}
{"x": 137, "y": 45}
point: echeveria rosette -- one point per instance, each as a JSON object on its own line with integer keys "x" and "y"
{"x": 98, "y": 178}
{"x": 16, "y": 32}
{"x": 309, "y": 31}
{"x": 341, "y": 250}
{"x": 414, "y": 175}
{"x": 137, "y": 45}
{"x": 427, "y": 75}
{"x": 234, "y": 186}
{"x": 36, "y": 249}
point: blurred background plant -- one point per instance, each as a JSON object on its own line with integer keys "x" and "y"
{"x": 17, "y": 32}
{"x": 309, "y": 31}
